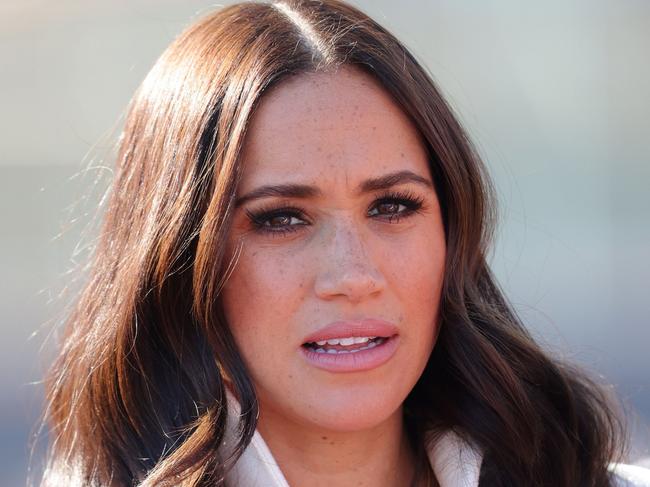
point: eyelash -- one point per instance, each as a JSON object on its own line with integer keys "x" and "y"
{"x": 260, "y": 217}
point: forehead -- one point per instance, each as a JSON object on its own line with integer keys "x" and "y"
{"x": 334, "y": 128}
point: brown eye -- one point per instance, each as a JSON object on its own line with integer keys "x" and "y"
{"x": 388, "y": 208}
{"x": 279, "y": 220}
{"x": 395, "y": 206}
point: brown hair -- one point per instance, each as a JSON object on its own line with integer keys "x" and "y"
{"x": 137, "y": 394}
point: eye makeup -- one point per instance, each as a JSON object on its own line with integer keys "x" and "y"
{"x": 274, "y": 220}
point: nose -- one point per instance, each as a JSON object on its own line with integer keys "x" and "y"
{"x": 346, "y": 265}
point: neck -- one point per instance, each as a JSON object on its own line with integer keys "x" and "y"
{"x": 380, "y": 456}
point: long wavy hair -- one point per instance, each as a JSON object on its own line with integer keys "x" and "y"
{"x": 137, "y": 393}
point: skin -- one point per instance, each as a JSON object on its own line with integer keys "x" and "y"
{"x": 345, "y": 260}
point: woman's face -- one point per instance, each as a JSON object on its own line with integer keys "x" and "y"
{"x": 345, "y": 241}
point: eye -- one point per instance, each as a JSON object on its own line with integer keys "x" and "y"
{"x": 396, "y": 205}
{"x": 278, "y": 221}
{"x": 391, "y": 206}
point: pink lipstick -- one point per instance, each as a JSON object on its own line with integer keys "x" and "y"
{"x": 351, "y": 346}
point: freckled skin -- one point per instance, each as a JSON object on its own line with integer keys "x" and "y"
{"x": 333, "y": 131}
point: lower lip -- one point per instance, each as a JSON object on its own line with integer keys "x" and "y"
{"x": 353, "y": 361}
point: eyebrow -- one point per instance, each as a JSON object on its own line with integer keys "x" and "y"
{"x": 304, "y": 191}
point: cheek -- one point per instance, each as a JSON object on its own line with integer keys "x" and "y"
{"x": 260, "y": 296}
{"x": 417, "y": 274}
{"x": 417, "y": 267}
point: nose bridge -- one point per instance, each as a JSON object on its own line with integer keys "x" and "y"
{"x": 348, "y": 240}
{"x": 347, "y": 267}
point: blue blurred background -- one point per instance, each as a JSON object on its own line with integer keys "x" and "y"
{"x": 555, "y": 94}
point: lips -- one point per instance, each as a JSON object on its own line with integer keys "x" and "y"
{"x": 368, "y": 327}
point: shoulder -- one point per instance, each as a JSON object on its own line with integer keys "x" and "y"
{"x": 630, "y": 475}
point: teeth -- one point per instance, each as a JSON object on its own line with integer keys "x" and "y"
{"x": 347, "y": 341}
{"x": 368, "y": 346}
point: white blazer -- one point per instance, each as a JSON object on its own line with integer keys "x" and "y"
{"x": 454, "y": 462}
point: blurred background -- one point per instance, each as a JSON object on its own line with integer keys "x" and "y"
{"x": 555, "y": 94}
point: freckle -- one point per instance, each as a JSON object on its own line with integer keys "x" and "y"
{"x": 401, "y": 154}
{"x": 323, "y": 437}
{"x": 374, "y": 128}
{"x": 331, "y": 442}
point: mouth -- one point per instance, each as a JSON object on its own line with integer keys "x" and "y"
{"x": 337, "y": 346}
{"x": 350, "y": 354}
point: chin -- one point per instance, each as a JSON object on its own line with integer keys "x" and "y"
{"x": 346, "y": 409}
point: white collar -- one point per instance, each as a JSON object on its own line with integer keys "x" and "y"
{"x": 454, "y": 462}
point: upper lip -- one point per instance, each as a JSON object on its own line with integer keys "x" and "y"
{"x": 367, "y": 327}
